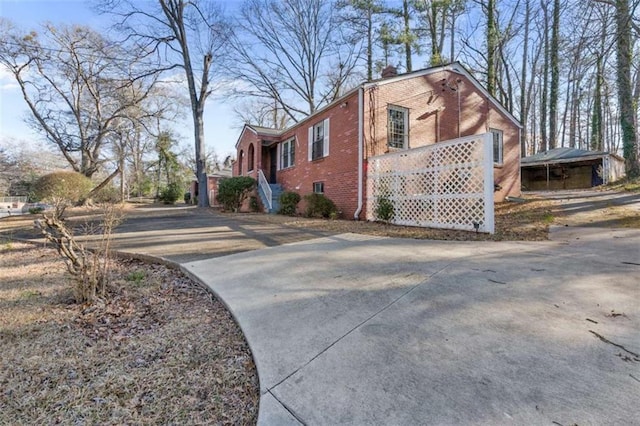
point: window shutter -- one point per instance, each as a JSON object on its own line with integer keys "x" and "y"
{"x": 325, "y": 144}
{"x": 279, "y": 154}
{"x": 310, "y": 144}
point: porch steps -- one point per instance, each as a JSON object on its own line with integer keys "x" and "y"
{"x": 276, "y": 190}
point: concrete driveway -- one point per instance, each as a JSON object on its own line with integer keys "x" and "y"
{"x": 350, "y": 329}
{"x": 184, "y": 234}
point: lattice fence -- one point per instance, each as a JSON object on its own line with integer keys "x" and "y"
{"x": 445, "y": 185}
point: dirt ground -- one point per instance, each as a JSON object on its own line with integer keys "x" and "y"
{"x": 158, "y": 349}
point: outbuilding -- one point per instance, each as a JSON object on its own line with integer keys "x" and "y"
{"x": 570, "y": 168}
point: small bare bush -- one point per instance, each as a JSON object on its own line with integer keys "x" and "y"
{"x": 90, "y": 267}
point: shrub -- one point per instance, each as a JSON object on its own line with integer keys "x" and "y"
{"x": 233, "y": 191}
{"x": 288, "y": 203}
{"x": 90, "y": 268}
{"x": 254, "y": 205}
{"x": 36, "y": 210}
{"x": 320, "y": 206}
{"x": 384, "y": 209}
{"x": 187, "y": 197}
{"x": 108, "y": 194}
{"x": 62, "y": 189}
{"x": 171, "y": 193}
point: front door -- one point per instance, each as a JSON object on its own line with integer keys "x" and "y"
{"x": 273, "y": 164}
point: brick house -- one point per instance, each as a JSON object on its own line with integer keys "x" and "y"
{"x": 328, "y": 151}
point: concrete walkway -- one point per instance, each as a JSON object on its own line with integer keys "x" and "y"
{"x": 350, "y": 329}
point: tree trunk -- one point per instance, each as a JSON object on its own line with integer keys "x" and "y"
{"x": 407, "y": 34}
{"x": 545, "y": 82}
{"x": 596, "y": 115}
{"x": 492, "y": 44}
{"x": 524, "y": 112}
{"x": 625, "y": 99}
{"x": 555, "y": 77}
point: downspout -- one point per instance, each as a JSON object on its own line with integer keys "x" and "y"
{"x": 520, "y": 159}
{"x": 356, "y": 215}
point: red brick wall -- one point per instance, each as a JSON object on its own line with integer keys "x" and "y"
{"x": 433, "y": 117}
{"x": 339, "y": 170}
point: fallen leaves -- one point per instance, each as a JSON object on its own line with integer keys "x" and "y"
{"x": 160, "y": 350}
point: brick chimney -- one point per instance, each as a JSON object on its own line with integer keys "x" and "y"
{"x": 389, "y": 71}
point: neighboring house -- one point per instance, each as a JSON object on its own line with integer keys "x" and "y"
{"x": 328, "y": 152}
{"x": 570, "y": 168}
{"x": 213, "y": 180}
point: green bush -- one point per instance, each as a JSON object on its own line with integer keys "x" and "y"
{"x": 187, "y": 198}
{"x": 62, "y": 189}
{"x": 233, "y": 191}
{"x": 384, "y": 209}
{"x": 36, "y": 210}
{"x": 320, "y": 206}
{"x": 288, "y": 203}
{"x": 171, "y": 193}
{"x": 253, "y": 204}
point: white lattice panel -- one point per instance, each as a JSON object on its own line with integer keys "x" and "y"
{"x": 445, "y": 185}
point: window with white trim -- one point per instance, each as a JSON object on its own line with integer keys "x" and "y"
{"x": 498, "y": 146}
{"x": 288, "y": 153}
{"x": 397, "y": 127}
{"x": 319, "y": 140}
{"x": 318, "y": 187}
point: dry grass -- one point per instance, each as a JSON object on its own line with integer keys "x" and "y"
{"x": 161, "y": 350}
{"x": 514, "y": 222}
{"x": 629, "y": 185}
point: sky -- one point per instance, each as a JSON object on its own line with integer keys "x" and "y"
{"x": 222, "y": 126}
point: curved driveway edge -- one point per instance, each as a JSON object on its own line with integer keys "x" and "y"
{"x": 366, "y": 330}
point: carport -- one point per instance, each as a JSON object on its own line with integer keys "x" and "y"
{"x": 570, "y": 168}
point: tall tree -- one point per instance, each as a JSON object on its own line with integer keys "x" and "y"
{"x": 492, "y": 46}
{"x": 555, "y": 75}
{"x": 190, "y": 35}
{"x": 624, "y": 52}
{"x": 362, "y": 16}
{"x": 544, "y": 143}
{"x": 524, "y": 107}
{"x": 437, "y": 16}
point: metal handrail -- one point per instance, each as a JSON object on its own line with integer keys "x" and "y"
{"x": 266, "y": 189}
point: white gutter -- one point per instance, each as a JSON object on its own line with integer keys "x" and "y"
{"x": 356, "y": 215}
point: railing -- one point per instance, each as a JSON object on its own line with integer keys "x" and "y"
{"x": 266, "y": 189}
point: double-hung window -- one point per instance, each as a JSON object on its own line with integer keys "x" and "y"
{"x": 288, "y": 153}
{"x": 318, "y": 187}
{"x": 498, "y": 146}
{"x": 319, "y": 140}
{"x": 397, "y": 127}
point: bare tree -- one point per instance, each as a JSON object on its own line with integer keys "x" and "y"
{"x": 190, "y": 35}
{"x": 72, "y": 79}
{"x": 292, "y": 53}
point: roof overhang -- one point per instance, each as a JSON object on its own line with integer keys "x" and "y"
{"x": 563, "y": 160}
